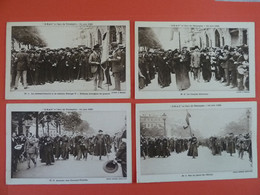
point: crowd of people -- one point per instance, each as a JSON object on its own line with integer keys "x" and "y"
{"x": 45, "y": 65}
{"x": 50, "y": 149}
{"x": 228, "y": 65}
{"x": 231, "y": 144}
{"x": 163, "y": 147}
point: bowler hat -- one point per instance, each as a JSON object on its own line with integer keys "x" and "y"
{"x": 110, "y": 166}
{"x": 97, "y": 46}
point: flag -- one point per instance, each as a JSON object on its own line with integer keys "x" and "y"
{"x": 105, "y": 52}
{"x": 187, "y": 119}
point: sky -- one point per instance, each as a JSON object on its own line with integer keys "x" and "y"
{"x": 109, "y": 121}
{"x": 58, "y": 36}
{"x": 207, "y": 122}
{"x": 168, "y": 39}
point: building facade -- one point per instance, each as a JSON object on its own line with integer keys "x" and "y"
{"x": 151, "y": 121}
{"x": 90, "y": 36}
{"x": 207, "y": 37}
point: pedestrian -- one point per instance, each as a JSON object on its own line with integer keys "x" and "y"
{"x": 31, "y": 150}
{"x": 193, "y": 149}
{"x": 22, "y": 62}
{"x": 121, "y": 156}
{"x": 117, "y": 65}
{"x": 100, "y": 145}
{"x": 182, "y": 68}
{"x": 195, "y": 63}
{"x": 96, "y": 70}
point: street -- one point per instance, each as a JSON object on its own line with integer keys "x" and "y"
{"x": 71, "y": 168}
{"x": 213, "y": 85}
{"x": 205, "y": 162}
{"x": 76, "y": 85}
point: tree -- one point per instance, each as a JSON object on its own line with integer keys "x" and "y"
{"x": 147, "y": 38}
{"x": 27, "y": 35}
{"x": 71, "y": 121}
{"x": 239, "y": 127}
{"x": 19, "y": 118}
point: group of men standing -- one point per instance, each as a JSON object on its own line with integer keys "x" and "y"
{"x": 40, "y": 66}
{"x": 229, "y": 65}
{"x": 50, "y": 149}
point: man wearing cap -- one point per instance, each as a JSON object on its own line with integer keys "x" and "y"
{"x": 117, "y": 66}
{"x": 96, "y": 70}
{"x": 22, "y": 61}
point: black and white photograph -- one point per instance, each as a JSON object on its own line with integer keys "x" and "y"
{"x": 196, "y": 141}
{"x": 68, "y": 144}
{"x": 68, "y": 60}
{"x": 194, "y": 59}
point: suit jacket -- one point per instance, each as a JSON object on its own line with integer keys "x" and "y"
{"x": 22, "y": 60}
{"x": 116, "y": 61}
{"x": 195, "y": 59}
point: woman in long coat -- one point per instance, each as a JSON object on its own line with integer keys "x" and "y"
{"x": 193, "y": 150}
{"x": 164, "y": 72}
{"x": 206, "y": 66}
{"x": 100, "y": 145}
{"x": 182, "y": 68}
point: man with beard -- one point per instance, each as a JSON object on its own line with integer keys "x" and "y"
{"x": 100, "y": 145}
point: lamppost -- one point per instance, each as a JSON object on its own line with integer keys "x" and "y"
{"x": 48, "y": 119}
{"x": 164, "y": 124}
{"x": 248, "y": 113}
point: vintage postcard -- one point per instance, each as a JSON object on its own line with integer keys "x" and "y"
{"x": 68, "y": 143}
{"x": 196, "y": 141}
{"x": 194, "y": 60}
{"x": 68, "y": 60}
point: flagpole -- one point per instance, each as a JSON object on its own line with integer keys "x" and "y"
{"x": 190, "y": 130}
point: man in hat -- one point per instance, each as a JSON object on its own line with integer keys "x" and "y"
{"x": 117, "y": 66}
{"x": 96, "y": 70}
{"x": 22, "y": 61}
{"x": 195, "y": 63}
{"x": 100, "y": 145}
